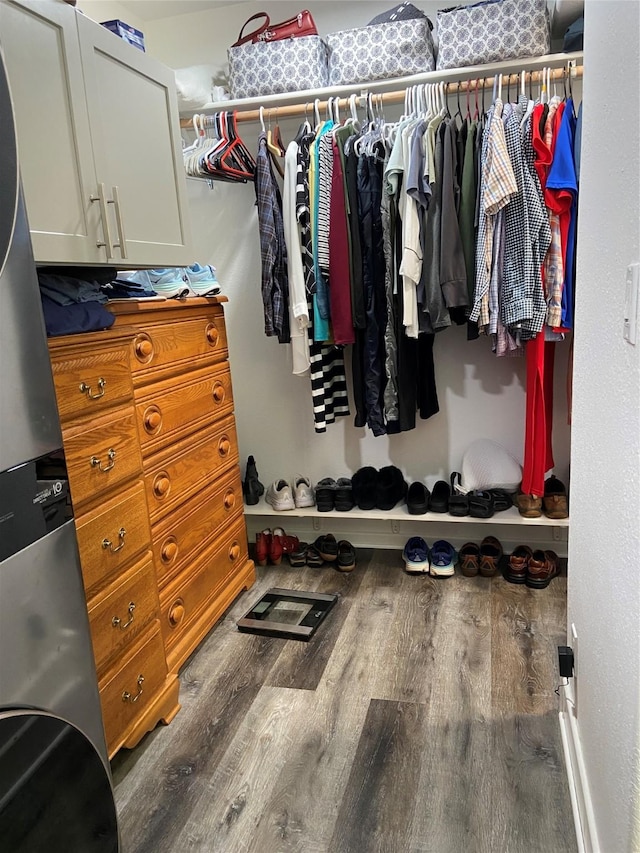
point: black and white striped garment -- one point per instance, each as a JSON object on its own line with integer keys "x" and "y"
{"x": 325, "y": 176}
{"x": 326, "y": 362}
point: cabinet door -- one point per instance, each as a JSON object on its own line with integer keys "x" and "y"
{"x": 135, "y": 129}
{"x": 42, "y": 55}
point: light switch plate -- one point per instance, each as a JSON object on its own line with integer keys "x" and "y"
{"x": 630, "y": 328}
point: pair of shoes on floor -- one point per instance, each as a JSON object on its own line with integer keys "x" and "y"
{"x": 438, "y": 561}
{"x": 536, "y": 568}
{"x": 554, "y": 502}
{"x": 480, "y": 560}
{"x": 326, "y": 549}
{"x": 179, "y": 282}
{"x": 252, "y": 488}
{"x": 270, "y": 546}
{"x": 283, "y": 496}
{"x": 381, "y": 489}
{"x": 334, "y": 494}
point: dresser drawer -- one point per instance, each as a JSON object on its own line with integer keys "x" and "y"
{"x": 111, "y": 535}
{"x": 193, "y": 526}
{"x": 89, "y": 381}
{"x": 103, "y": 455}
{"x": 173, "y": 409}
{"x": 192, "y": 590}
{"x": 118, "y": 616}
{"x": 172, "y": 346}
{"x": 189, "y": 466}
{"x": 125, "y": 694}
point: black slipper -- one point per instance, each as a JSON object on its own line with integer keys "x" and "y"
{"x": 458, "y": 501}
{"x": 418, "y": 499}
{"x": 439, "y": 501}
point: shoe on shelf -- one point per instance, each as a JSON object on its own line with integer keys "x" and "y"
{"x": 502, "y": 499}
{"x": 363, "y": 484}
{"x": 346, "y": 561}
{"x": 416, "y": 555}
{"x": 302, "y": 491}
{"x": 529, "y": 506}
{"x": 542, "y": 569}
{"x": 263, "y": 545}
{"x": 469, "y": 560}
{"x": 167, "y": 282}
{"x": 202, "y": 280}
{"x": 443, "y": 559}
{"x": 391, "y": 487}
{"x": 490, "y": 556}
{"x": 344, "y": 495}
{"x": 554, "y": 502}
{"x": 326, "y": 494}
{"x": 480, "y": 504}
{"x": 279, "y": 496}
{"x": 327, "y": 547}
{"x": 519, "y": 564}
{"x": 458, "y": 499}
{"x": 440, "y": 494}
{"x": 252, "y": 488}
{"x": 418, "y": 499}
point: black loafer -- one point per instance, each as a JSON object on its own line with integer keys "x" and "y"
{"x": 418, "y": 499}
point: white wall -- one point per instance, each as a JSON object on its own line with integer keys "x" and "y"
{"x": 604, "y": 538}
{"x": 480, "y": 396}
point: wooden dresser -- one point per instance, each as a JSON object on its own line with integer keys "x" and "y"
{"x": 149, "y": 435}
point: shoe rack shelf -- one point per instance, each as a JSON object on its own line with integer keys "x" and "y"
{"x": 400, "y": 513}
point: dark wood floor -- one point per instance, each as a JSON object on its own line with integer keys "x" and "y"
{"x": 421, "y": 719}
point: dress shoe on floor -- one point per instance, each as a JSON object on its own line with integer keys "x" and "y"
{"x": 469, "y": 560}
{"x": 490, "y": 556}
{"x": 279, "y": 496}
{"x": 252, "y": 488}
{"x": 519, "y": 564}
{"x": 542, "y": 568}
{"x": 346, "y": 561}
{"x": 327, "y": 547}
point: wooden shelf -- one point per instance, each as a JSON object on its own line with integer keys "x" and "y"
{"x": 401, "y": 513}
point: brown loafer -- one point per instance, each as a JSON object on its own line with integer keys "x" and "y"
{"x": 518, "y": 564}
{"x": 543, "y": 567}
{"x": 469, "y": 560}
{"x": 490, "y": 556}
{"x": 555, "y": 501}
{"x": 529, "y": 506}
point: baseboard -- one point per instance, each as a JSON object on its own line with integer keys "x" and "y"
{"x": 581, "y": 804}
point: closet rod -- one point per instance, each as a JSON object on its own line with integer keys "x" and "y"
{"x": 396, "y": 97}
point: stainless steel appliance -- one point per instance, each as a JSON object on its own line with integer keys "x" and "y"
{"x": 55, "y": 783}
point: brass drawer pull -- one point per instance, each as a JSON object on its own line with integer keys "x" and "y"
{"x": 96, "y": 462}
{"x": 107, "y": 543}
{"x": 86, "y": 389}
{"x": 117, "y": 621}
{"x": 129, "y": 697}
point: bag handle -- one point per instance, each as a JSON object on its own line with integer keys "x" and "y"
{"x": 244, "y": 39}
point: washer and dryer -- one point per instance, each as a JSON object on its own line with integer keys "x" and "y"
{"x": 55, "y": 783}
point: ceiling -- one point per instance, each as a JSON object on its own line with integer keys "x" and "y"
{"x": 153, "y": 10}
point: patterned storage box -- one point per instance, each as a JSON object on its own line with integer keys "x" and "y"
{"x": 380, "y": 52}
{"x": 492, "y": 31}
{"x": 274, "y": 67}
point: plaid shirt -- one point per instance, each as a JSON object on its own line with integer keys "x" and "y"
{"x": 273, "y": 251}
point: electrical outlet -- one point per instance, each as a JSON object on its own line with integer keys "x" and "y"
{"x": 316, "y": 523}
{"x": 395, "y": 525}
{"x": 557, "y": 535}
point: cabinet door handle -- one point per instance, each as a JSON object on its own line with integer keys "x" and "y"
{"x": 119, "y": 223}
{"x": 129, "y": 697}
{"x": 107, "y": 543}
{"x": 117, "y": 621}
{"x": 96, "y": 462}
{"x": 86, "y": 389}
{"x": 101, "y": 198}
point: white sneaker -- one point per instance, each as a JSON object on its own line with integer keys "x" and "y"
{"x": 279, "y": 495}
{"x": 302, "y": 491}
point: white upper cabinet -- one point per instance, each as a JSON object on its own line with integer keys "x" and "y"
{"x": 98, "y": 140}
